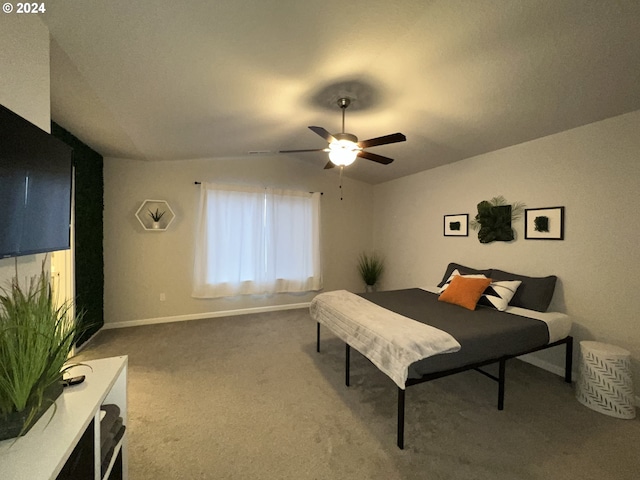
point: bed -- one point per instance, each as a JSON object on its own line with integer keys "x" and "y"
{"x": 414, "y": 336}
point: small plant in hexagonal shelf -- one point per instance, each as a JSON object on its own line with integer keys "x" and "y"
{"x": 156, "y": 217}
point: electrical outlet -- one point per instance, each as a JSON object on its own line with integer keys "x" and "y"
{"x": 162, "y": 297}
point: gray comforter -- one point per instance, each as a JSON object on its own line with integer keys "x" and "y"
{"x": 483, "y": 334}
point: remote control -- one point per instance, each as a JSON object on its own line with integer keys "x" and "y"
{"x": 67, "y": 382}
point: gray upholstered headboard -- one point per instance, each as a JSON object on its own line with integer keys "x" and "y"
{"x": 534, "y": 293}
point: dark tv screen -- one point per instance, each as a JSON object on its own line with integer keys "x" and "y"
{"x": 35, "y": 188}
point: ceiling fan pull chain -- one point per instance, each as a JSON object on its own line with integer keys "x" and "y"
{"x": 341, "y": 170}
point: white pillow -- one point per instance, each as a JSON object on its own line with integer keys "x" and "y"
{"x": 456, "y": 273}
{"x": 499, "y": 294}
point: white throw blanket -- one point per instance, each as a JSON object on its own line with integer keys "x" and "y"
{"x": 391, "y": 341}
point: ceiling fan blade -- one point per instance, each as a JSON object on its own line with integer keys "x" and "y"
{"x": 302, "y": 151}
{"x": 323, "y": 133}
{"x": 329, "y": 165}
{"x": 372, "y": 142}
{"x": 375, "y": 158}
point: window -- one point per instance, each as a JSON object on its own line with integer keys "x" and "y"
{"x": 252, "y": 240}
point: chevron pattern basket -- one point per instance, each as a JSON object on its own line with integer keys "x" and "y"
{"x": 605, "y": 383}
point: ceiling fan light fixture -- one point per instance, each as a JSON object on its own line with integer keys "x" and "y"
{"x": 343, "y": 152}
{"x": 344, "y": 147}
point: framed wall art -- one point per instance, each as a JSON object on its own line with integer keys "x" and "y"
{"x": 456, "y": 225}
{"x": 544, "y": 223}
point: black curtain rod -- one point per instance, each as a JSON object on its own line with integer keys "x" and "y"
{"x": 200, "y": 183}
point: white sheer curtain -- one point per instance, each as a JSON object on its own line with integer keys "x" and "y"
{"x": 252, "y": 240}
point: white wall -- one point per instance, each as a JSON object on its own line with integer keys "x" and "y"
{"x": 593, "y": 171}
{"x": 24, "y": 89}
{"x": 140, "y": 265}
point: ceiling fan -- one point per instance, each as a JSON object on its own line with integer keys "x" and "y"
{"x": 344, "y": 147}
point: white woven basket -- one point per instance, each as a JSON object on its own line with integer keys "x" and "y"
{"x": 605, "y": 384}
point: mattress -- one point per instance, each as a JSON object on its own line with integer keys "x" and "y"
{"x": 392, "y": 342}
{"x": 558, "y": 324}
{"x": 484, "y": 334}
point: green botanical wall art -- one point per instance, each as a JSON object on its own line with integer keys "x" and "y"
{"x": 541, "y": 224}
{"x": 494, "y": 219}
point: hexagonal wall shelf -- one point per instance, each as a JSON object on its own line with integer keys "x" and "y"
{"x": 149, "y": 209}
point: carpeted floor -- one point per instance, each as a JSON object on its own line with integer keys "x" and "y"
{"x": 248, "y": 397}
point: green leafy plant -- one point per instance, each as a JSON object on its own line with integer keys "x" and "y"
{"x": 157, "y": 215}
{"x": 370, "y": 267}
{"x": 494, "y": 219}
{"x": 36, "y": 338}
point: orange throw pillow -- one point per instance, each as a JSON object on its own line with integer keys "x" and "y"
{"x": 465, "y": 291}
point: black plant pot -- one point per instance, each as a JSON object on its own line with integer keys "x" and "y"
{"x": 11, "y": 424}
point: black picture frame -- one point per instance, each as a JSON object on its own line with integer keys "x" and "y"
{"x": 456, "y": 225}
{"x": 544, "y": 223}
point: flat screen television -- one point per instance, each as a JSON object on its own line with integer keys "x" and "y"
{"x": 35, "y": 188}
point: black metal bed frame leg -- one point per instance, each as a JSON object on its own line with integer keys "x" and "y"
{"x": 318, "y": 337}
{"x": 568, "y": 360}
{"x": 346, "y": 364}
{"x": 400, "y": 439}
{"x": 501, "y": 375}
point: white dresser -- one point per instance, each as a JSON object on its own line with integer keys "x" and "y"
{"x": 74, "y": 430}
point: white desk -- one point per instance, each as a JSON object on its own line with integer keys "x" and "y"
{"x": 44, "y": 450}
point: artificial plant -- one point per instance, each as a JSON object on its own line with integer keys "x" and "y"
{"x": 494, "y": 219}
{"x": 36, "y": 338}
{"x": 157, "y": 215}
{"x": 370, "y": 266}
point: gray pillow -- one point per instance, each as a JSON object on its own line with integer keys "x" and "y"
{"x": 463, "y": 271}
{"x": 534, "y": 293}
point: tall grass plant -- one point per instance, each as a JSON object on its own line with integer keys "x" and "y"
{"x": 371, "y": 267}
{"x": 36, "y": 338}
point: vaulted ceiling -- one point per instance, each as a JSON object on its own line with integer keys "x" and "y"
{"x": 158, "y": 79}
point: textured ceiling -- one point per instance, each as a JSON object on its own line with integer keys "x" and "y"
{"x": 158, "y": 79}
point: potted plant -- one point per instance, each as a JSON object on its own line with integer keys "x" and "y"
{"x": 156, "y": 216}
{"x": 36, "y": 338}
{"x": 370, "y": 267}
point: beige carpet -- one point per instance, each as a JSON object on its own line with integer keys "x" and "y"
{"x": 248, "y": 397}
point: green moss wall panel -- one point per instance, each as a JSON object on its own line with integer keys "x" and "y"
{"x": 89, "y": 264}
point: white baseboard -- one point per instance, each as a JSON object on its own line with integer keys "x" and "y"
{"x": 549, "y": 367}
{"x": 200, "y": 316}
{"x": 529, "y": 358}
